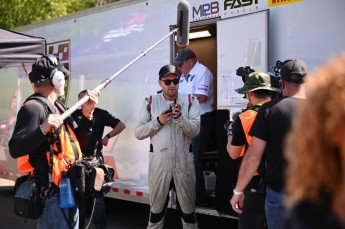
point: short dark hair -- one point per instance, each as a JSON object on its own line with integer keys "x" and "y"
{"x": 41, "y": 83}
{"x": 262, "y": 94}
{"x": 81, "y": 92}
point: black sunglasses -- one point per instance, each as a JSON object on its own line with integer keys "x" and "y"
{"x": 168, "y": 82}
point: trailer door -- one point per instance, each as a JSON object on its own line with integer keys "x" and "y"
{"x": 241, "y": 41}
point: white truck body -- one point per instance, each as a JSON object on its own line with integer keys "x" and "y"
{"x": 96, "y": 43}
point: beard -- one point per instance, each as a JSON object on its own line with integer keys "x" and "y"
{"x": 59, "y": 91}
{"x": 170, "y": 94}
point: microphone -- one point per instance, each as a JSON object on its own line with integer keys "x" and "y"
{"x": 182, "y": 39}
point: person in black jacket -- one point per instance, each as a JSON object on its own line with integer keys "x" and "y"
{"x": 38, "y": 121}
{"x": 315, "y": 152}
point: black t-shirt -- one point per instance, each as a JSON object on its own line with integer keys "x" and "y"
{"x": 238, "y": 137}
{"x": 271, "y": 125}
{"x": 102, "y": 118}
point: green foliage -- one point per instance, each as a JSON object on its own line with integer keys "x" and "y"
{"x": 14, "y": 13}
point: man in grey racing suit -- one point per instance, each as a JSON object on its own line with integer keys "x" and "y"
{"x": 171, "y": 120}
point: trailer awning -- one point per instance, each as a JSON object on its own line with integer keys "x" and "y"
{"x": 17, "y": 48}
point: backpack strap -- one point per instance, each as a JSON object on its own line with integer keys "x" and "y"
{"x": 49, "y": 109}
{"x": 256, "y": 107}
{"x": 48, "y": 106}
{"x": 73, "y": 144}
{"x": 69, "y": 121}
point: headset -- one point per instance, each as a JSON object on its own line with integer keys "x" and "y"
{"x": 57, "y": 78}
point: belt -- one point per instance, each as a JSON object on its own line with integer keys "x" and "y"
{"x": 190, "y": 148}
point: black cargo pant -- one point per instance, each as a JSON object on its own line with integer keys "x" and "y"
{"x": 253, "y": 215}
{"x": 99, "y": 215}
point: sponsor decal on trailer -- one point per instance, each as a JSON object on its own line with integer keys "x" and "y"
{"x": 281, "y": 2}
{"x": 224, "y": 9}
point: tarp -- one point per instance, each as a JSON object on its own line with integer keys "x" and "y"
{"x": 17, "y": 48}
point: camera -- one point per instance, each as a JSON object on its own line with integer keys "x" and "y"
{"x": 227, "y": 123}
{"x": 277, "y": 68}
{"x": 244, "y": 72}
{"x": 170, "y": 107}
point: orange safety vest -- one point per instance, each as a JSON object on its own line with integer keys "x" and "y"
{"x": 61, "y": 161}
{"x": 247, "y": 119}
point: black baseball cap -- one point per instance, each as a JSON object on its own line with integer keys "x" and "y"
{"x": 167, "y": 69}
{"x": 293, "y": 71}
{"x": 182, "y": 55}
{"x": 43, "y": 67}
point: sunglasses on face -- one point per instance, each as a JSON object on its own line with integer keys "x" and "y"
{"x": 168, "y": 82}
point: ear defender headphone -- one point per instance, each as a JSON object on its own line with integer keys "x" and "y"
{"x": 57, "y": 78}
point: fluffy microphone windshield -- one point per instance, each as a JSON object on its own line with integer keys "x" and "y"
{"x": 182, "y": 38}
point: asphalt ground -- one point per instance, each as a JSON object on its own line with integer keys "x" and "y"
{"x": 120, "y": 215}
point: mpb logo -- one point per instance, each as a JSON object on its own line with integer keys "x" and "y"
{"x": 207, "y": 9}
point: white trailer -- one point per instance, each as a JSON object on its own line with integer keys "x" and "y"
{"x": 96, "y": 43}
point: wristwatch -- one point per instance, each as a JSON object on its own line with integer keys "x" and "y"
{"x": 230, "y": 132}
{"x": 108, "y": 136}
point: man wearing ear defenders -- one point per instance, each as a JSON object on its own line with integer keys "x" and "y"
{"x": 171, "y": 120}
{"x": 45, "y": 144}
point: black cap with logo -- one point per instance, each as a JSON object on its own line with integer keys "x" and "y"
{"x": 167, "y": 69}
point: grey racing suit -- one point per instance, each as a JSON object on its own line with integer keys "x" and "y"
{"x": 170, "y": 159}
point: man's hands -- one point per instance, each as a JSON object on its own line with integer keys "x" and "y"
{"x": 167, "y": 116}
{"x": 89, "y": 106}
{"x": 176, "y": 110}
{"x": 236, "y": 203}
{"x": 105, "y": 141}
{"x": 54, "y": 121}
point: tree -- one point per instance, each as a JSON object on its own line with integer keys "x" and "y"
{"x": 14, "y": 13}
